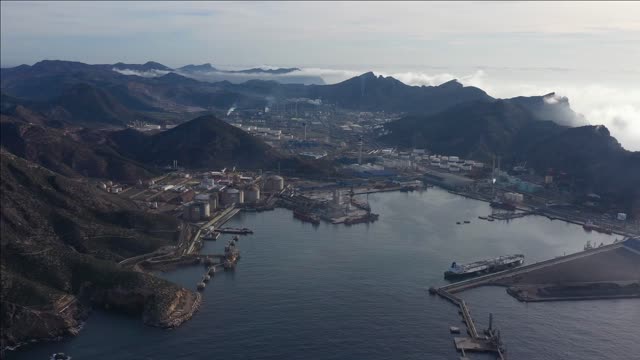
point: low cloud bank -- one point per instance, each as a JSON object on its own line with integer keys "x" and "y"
{"x": 146, "y": 74}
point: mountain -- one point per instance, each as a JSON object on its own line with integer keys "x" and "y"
{"x": 207, "y": 142}
{"x": 87, "y": 104}
{"x": 170, "y": 92}
{"x": 148, "y": 66}
{"x": 368, "y": 92}
{"x": 278, "y": 71}
{"x": 588, "y": 154}
{"x": 60, "y": 244}
{"x": 73, "y": 153}
{"x": 197, "y": 68}
{"x": 592, "y": 157}
{"x": 551, "y": 107}
{"x": 475, "y": 130}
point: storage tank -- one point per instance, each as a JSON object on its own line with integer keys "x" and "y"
{"x": 192, "y": 212}
{"x": 205, "y": 209}
{"x": 203, "y": 197}
{"x": 231, "y": 196}
{"x": 337, "y": 197}
{"x": 274, "y": 183}
{"x": 213, "y": 201}
{"x": 252, "y": 194}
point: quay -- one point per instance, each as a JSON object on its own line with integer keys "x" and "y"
{"x": 217, "y": 221}
{"x": 490, "y": 340}
{"x": 242, "y": 231}
{"x": 494, "y": 279}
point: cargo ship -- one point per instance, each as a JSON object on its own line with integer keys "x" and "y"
{"x": 459, "y": 271}
{"x": 306, "y": 217}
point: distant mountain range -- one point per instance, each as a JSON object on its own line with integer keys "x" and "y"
{"x": 448, "y": 118}
{"x": 48, "y": 81}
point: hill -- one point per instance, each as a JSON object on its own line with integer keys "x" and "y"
{"x": 207, "y": 142}
{"x": 73, "y": 153}
{"x": 61, "y": 241}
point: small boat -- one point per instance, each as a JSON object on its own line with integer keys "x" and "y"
{"x": 482, "y": 217}
{"x": 60, "y": 356}
{"x": 490, "y": 219}
{"x": 458, "y": 222}
{"x": 467, "y": 222}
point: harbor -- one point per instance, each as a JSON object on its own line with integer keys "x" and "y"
{"x": 294, "y": 280}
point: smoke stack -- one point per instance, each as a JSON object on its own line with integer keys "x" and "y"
{"x": 360, "y": 151}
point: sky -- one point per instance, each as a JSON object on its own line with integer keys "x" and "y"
{"x": 588, "y": 51}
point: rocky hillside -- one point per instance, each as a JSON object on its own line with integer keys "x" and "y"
{"x": 71, "y": 152}
{"x": 61, "y": 242}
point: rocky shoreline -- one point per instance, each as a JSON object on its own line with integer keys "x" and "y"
{"x": 26, "y": 326}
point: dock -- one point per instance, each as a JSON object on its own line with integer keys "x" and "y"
{"x": 243, "y": 231}
{"x": 494, "y": 279}
{"x": 489, "y": 340}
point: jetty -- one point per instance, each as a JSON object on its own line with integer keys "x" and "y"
{"x": 489, "y": 340}
{"x": 237, "y": 231}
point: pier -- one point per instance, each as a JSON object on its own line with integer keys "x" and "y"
{"x": 489, "y": 341}
{"x": 494, "y": 279}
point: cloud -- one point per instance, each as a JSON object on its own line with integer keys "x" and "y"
{"x": 147, "y": 74}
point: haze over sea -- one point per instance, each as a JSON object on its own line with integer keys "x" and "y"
{"x": 359, "y": 292}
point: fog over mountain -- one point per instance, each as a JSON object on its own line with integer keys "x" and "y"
{"x": 603, "y": 99}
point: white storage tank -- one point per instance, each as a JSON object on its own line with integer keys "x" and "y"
{"x": 213, "y": 201}
{"x": 231, "y": 196}
{"x": 274, "y": 183}
{"x": 252, "y": 194}
{"x": 205, "y": 209}
{"x": 203, "y": 197}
